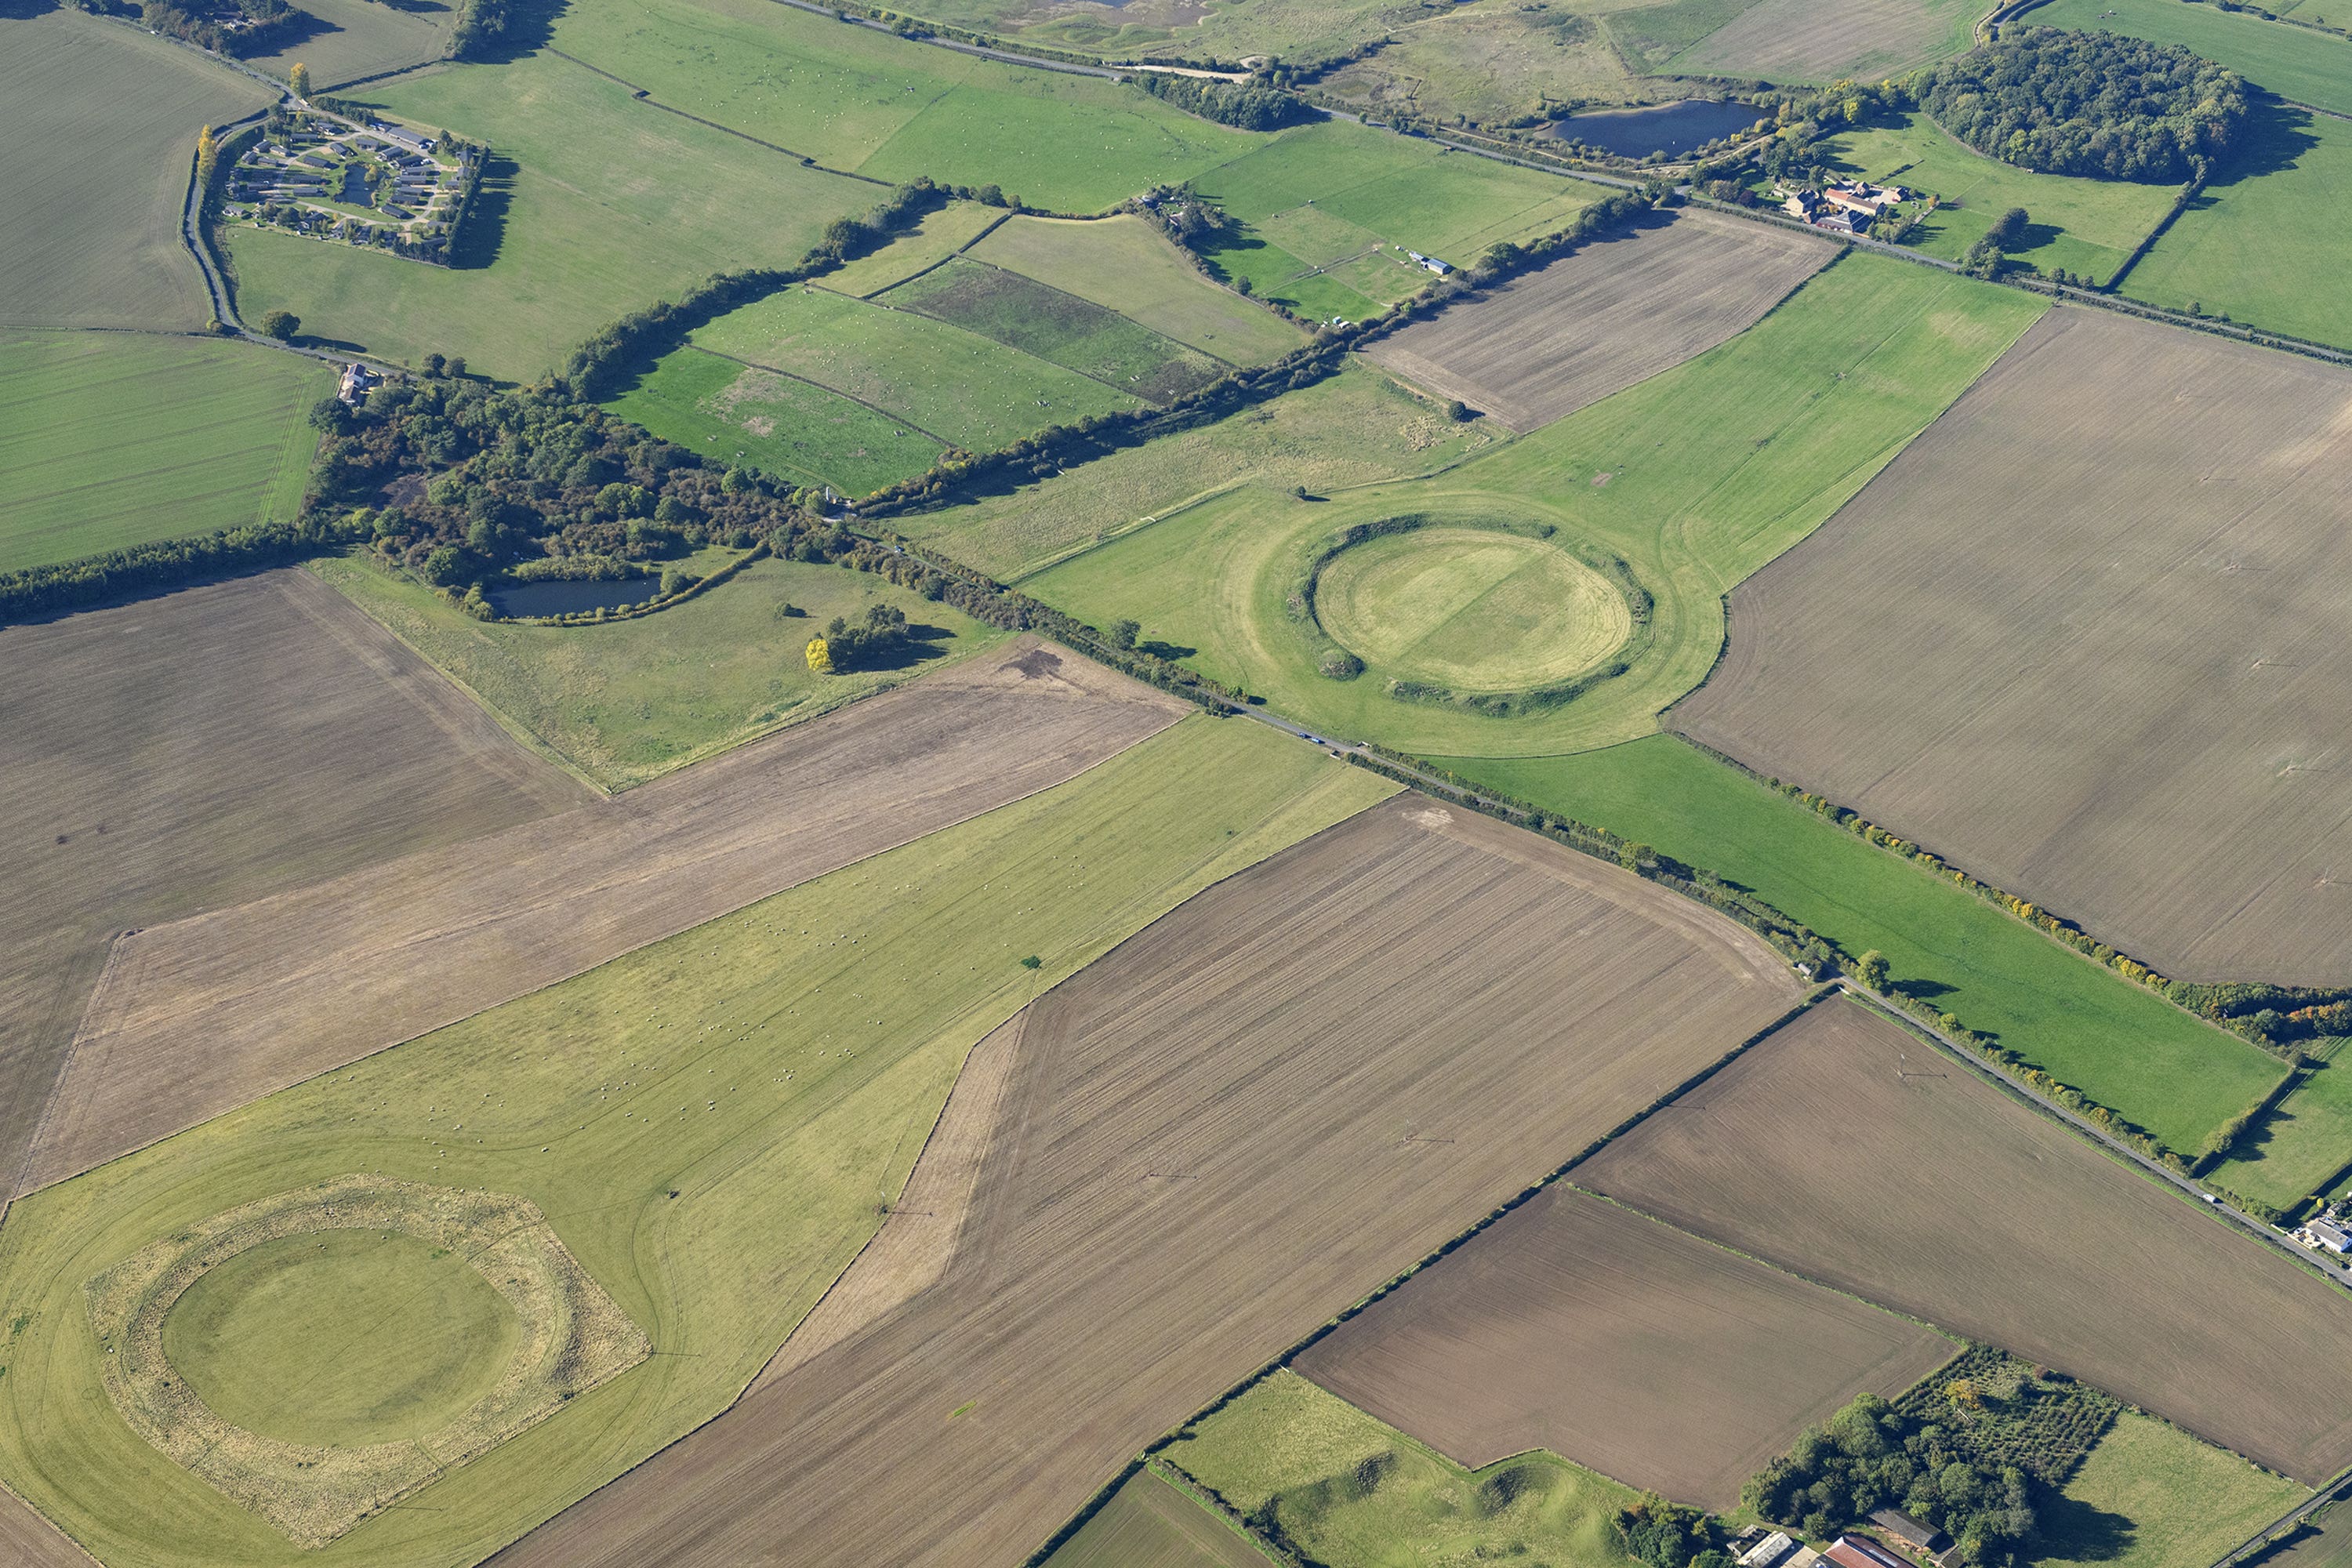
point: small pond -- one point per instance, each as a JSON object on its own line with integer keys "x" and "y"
{"x": 571, "y": 595}
{"x": 355, "y": 187}
{"x": 1666, "y": 127}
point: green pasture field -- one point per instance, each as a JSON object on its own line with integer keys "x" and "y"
{"x": 114, "y": 438}
{"x": 1124, "y": 264}
{"x": 2121, "y": 1045}
{"x": 2304, "y": 1143}
{"x": 862, "y": 101}
{"x": 287, "y": 1339}
{"x": 939, "y": 236}
{"x": 1353, "y": 429}
{"x": 2152, "y": 1496}
{"x": 1350, "y": 1490}
{"x": 100, "y": 120}
{"x": 364, "y": 38}
{"x": 955, "y": 387}
{"x": 1826, "y": 40}
{"x": 2266, "y": 241}
{"x": 594, "y": 207}
{"x": 789, "y": 428}
{"x": 712, "y": 1125}
{"x": 1694, "y": 478}
{"x": 1650, "y": 35}
{"x": 1153, "y": 1522}
{"x": 2086, "y": 227}
{"x": 2302, "y": 65}
{"x": 2326, "y": 1544}
{"x": 628, "y": 701}
{"x": 1324, "y": 195}
{"x": 1078, "y": 334}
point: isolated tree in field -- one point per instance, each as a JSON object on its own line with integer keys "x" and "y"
{"x": 1124, "y": 633}
{"x": 208, "y": 156}
{"x": 820, "y": 658}
{"x": 2008, "y": 228}
{"x": 1870, "y": 970}
{"x": 297, "y": 81}
{"x": 281, "y": 325}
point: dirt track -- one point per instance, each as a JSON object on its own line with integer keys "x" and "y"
{"x": 2085, "y": 638}
{"x": 1617, "y": 312}
{"x": 1847, "y": 1150}
{"x": 1624, "y": 1344}
{"x": 1243, "y": 1120}
{"x": 195, "y": 1018}
{"x": 205, "y": 748}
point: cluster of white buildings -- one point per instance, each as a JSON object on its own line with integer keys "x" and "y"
{"x": 1850, "y": 206}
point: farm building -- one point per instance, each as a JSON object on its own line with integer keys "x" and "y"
{"x": 2329, "y": 1235}
{"x": 358, "y": 381}
{"x": 1905, "y": 1529}
{"x": 1769, "y": 1553}
{"x": 1860, "y": 1551}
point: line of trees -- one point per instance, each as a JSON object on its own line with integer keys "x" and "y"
{"x": 1252, "y": 105}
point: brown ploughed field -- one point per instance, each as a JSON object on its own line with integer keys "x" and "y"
{"x": 203, "y": 748}
{"x": 197, "y": 1018}
{"x": 1240, "y": 1121}
{"x": 2085, "y": 637}
{"x": 1847, "y": 1149}
{"x": 1617, "y": 312}
{"x": 1626, "y": 1345}
{"x": 1817, "y": 40}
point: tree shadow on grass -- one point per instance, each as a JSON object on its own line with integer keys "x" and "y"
{"x": 922, "y": 642}
{"x": 2081, "y": 1532}
{"x": 2275, "y": 140}
{"x": 303, "y": 27}
{"x": 1167, "y": 650}
{"x": 484, "y": 232}
{"x": 531, "y": 25}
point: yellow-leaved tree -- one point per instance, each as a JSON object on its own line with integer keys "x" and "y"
{"x": 297, "y": 81}
{"x": 820, "y": 658}
{"x": 208, "y": 156}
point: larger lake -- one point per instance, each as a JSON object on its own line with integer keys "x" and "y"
{"x": 1667, "y": 127}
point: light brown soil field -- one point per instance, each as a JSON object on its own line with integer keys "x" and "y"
{"x": 1238, "y": 1122}
{"x": 1617, "y": 312}
{"x": 1148, "y": 1523}
{"x": 2084, "y": 638}
{"x": 1846, "y": 1150}
{"x": 195, "y": 1018}
{"x": 203, "y": 748}
{"x": 1628, "y": 1346}
{"x": 28, "y": 1541}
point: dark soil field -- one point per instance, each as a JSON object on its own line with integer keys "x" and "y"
{"x": 1612, "y": 314}
{"x": 1631, "y": 1348}
{"x": 206, "y": 747}
{"x": 2084, "y": 637}
{"x": 1238, "y": 1122}
{"x": 1845, "y": 1149}
{"x": 199, "y": 1016}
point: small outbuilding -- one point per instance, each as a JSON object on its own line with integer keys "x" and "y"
{"x": 1909, "y": 1531}
{"x": 1860, "y": 1551}
{"x": 1769, "y": 1553}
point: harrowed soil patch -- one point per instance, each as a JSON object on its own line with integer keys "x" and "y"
{"x": 571, "y": 1338}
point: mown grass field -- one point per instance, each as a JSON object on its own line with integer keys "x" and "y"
{"x": 2263, "y": 243}
{"x": 1695, "y": 478}
{"x": 712, "y": 1124}
{"x": 1323, "y": 196}
{"x": 594, "y": 207}
{"x": 2302, "y": 65}
{"x": 356, "y": 38}
{"x": 939, "y": 234}
{"x": 1493, "y": 65}
{"x": 953, "y": 386}
{"x": 727, "y": 411}
{"x": 109, "y": 439}
{"x": 1060, "y": 328}
{"x": 2152, "y": 1496}
{"x": 1350, "y": 1490}
{"x": 1808, "y": 41}
{"x": 1353, "y": 429}
{"x": 1124, "y": 264}
{"x": 857, "y": 99}
{"x": 627, "y": 701}
{"x": 2123, "y": 1046}
{"x": 2086, "y": 227}
{"x": 100, "y": 120}
{"x": 1149, "y": 1523}
{"x": 2302, "y": 1145}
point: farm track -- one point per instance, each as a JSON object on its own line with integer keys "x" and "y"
{"x": 204, "y": 748}
{"x": 1827, "y": 1151}
{"x": 2092, "y": 667}
{"x": 1250, "y": 1115}
{"x": 1617, "y": 311}
{"x": 196, "y": 1018}
{"x": 1624, "y": 1345}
